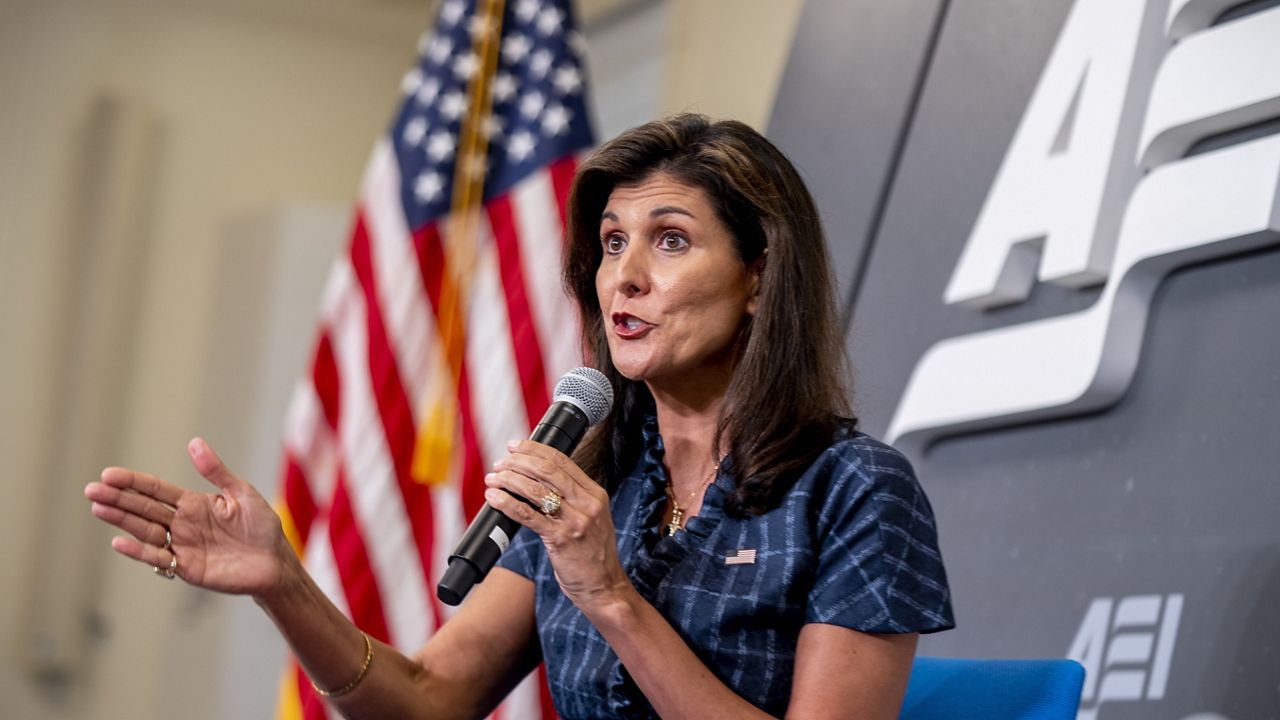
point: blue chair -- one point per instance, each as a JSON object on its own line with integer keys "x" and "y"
{"x": 964, "y": 689}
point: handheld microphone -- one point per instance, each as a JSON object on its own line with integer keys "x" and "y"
{"x": 583, "y": 397}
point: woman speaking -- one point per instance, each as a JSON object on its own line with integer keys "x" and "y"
{"x": 724, "y": 544}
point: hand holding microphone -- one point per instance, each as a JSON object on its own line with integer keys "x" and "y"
{"x": 583, "y": 397}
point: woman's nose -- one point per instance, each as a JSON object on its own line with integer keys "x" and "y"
{"x": 632, "y": 272}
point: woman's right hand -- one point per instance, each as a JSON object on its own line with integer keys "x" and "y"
{"x": 230, "y": 541}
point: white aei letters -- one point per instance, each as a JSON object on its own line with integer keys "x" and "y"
{"x": 1061, "y": 186}
{"x": 1182, "y": 210}
{"x": 1126, "y": 648}
{"x": 1212, "y": 82}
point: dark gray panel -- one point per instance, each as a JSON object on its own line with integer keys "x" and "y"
{"x": 843, "y": 105}
{"x": 1172, "y": 491}
{"x": 988, "y": 58}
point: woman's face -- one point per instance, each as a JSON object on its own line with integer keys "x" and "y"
{"x": 673, "y": 292}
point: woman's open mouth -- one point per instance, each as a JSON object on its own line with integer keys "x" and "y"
{"x": 630, "y": 327}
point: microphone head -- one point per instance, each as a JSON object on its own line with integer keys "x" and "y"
{"x": 588, "y": 389}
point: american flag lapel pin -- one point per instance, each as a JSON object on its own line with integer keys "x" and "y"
{"x": 742, "y": 557}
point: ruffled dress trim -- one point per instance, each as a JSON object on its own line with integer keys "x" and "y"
{"x": 659, "y": 553}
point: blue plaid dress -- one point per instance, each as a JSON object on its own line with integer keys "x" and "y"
{"x": 853, "y": 544}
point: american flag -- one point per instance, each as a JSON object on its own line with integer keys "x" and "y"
{"x": 443, "y": 326}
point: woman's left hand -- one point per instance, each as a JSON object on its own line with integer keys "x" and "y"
{"x": 580, "y": 537}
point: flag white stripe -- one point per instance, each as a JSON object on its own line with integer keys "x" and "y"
{"x": 375, "y": 495}
{"x": 323, "y": 568}
{"x": 324, "y": 571}
{"x": 539, "y": 229}
{"x": 337, "y": 289}
{"x": 446, "y": 502}
{"x": 307, "y": 435}
{"x": 406, "y": 311}
{"x": 407, "y": 316}
{"x": 311, "y": 444}
{"x": 497, "y": 401}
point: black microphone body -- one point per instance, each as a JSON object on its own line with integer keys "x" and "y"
{"x": 561, "y": 427}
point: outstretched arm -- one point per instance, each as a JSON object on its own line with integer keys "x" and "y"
{"x": 231, "y": 541}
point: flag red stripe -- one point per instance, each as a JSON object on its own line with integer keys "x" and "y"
{"x": 384, "y": 376}
{"x": 432, "y": 265}
{"x": 324, "y": 373}
{"x": 394, "y": 407}
{"x": 297, "y": 497}
{"x": 354, "y": 568}
{"x": 472, "y": 479}
{"x": 524, "y": 334}
{"x": 312, "y": 705}
{"x": 562, "y": 172}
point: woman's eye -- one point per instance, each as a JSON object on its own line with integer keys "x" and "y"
{"x": 614, "y": 244}
{"x": 672, "y": 241}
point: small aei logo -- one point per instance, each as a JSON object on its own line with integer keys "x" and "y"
{"x": 1127, "y": 647}
{"x": 1097, "y": 188}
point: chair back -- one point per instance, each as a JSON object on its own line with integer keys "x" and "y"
{"x": 966, "y": 689}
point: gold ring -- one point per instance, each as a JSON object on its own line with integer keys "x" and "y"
{"x": 550, "y": 504}
{"x": 169, "y": 572}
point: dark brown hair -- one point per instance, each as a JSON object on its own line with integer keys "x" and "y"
{"x": 788, "y": 393}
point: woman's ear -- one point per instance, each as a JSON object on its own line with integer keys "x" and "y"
{"x": 756, "y": 271}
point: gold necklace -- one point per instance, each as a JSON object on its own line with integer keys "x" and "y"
{"x": 677, "y": 512}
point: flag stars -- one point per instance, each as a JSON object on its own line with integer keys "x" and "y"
{"x": 440, "y": 145}
{"x": 515, "y": 48}
{"x": 540, "y": 63}
{"x": 480, "y": 26}
{"x": 576, "y": 42}
{"x": 428, "y": 92}
{"x": 526, "y": 9}
{"x": 550, "y": 20}
{"x": 567, "y": 79}
{"x": 534, "y": 88}
{"x": 452, "y": 12}
{"x": 521, "y": 145}
{"x": 475, "y": 166}
{"x": 414, "y": 130}
{"x": 555, "y": 121}
{"x": 428, "y": 187}
{"x": 452, "y": 105}
{"x": 531, "y": 104}
{"x": 492, "y": 127}
{"x": 440, "y": 50}
{"x": 466, "y": 65}
{"x": 504, "y": 87}
{"x": 411, "y": 82}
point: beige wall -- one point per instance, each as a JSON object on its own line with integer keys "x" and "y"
{"x": 252, "y": 110}
{"x": 248, "y": 106}
{"x": 726, "y": 57}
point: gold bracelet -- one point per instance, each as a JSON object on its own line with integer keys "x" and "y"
{"x": 364, "y": 670}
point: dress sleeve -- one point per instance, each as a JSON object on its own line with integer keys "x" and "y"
{"x": 523, "y": 556}
{"x": 879, "y": 569}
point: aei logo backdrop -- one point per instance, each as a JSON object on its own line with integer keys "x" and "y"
{"x": 1081, "y": 200}
{"x": 1058, "y": 224}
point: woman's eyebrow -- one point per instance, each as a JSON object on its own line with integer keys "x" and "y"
{"x": 670, "y": 210}
{"x": 656, "y": 212}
